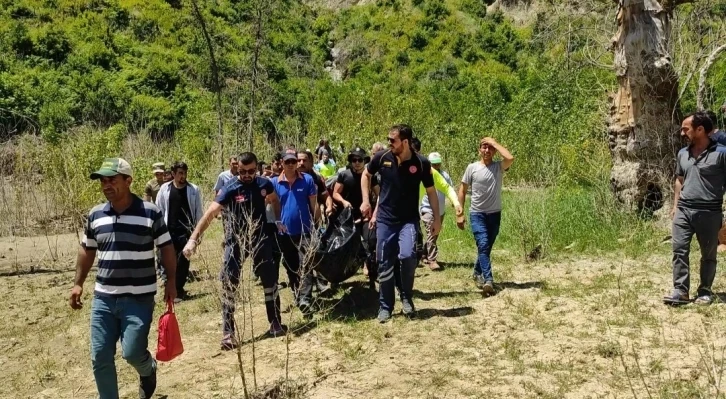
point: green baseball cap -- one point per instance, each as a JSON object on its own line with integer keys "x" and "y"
{"x": 112, "y": 167}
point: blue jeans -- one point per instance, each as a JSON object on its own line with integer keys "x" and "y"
{"x": 395, "y": 242}
{"x": 128, "y": 319}
{"x": 485, "y": 227}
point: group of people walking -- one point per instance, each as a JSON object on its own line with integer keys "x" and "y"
{"x": 270, "y": 213}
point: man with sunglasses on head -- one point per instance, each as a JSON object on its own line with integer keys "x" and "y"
{"x": 243, "y": 201}
{"x": 485, "y": 212}
{"x": 401, "y": 172}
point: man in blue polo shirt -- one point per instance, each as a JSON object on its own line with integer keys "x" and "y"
{"x": 123, "y": 232}
{"x": 401, "y": 172}
{"x": 297, "y": 194}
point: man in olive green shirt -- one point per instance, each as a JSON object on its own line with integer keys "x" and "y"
{"x": 153, "y": 185}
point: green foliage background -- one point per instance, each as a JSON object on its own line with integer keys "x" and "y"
{"x": 96, "y": 78}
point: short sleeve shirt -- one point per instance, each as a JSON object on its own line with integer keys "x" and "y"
{"x": 352, "y": 190}
{"x": 152, "y": 189}
{"x": 294, "y": 201}
{"x": 319, "y": 185}
{"x": 399, "y": 198}
{"x": 703, "y": 176}
{"x": 125, "y": 247}
{"x": 244, "y": 203}
{"x": 486, "y": 186}
{"x": 223, "y": 179}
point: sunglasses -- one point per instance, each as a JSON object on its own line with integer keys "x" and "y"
{"x": 356, "y": 160}
{"x": 247, "y": 171}
{"x": 391, "y": 140}
{"x": 291, "y": 162}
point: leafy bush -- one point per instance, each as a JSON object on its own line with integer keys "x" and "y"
{"x": 151, "y": 114}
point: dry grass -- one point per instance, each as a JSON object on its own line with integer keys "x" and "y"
{"x": 577, "y": 328}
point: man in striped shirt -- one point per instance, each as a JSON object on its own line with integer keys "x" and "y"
{"x": 123, "y": 231}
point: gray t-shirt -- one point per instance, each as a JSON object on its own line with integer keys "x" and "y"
{"x": 486, "y": 186}
{"x": 222, "y": 179}
{"x": 703, "y": 176}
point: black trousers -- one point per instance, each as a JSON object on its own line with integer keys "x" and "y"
{"x": 369, "y": 240}
{"x": 179, "y": 239}
{"x": 262, "y": 265}
{"x": 299, "y": 271}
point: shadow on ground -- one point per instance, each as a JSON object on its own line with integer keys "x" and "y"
{"x": 510, "y": 285}
{"x": 468, "y": 265}
{"x": 198, "y": 295}
{"x": 425, "y": 314}
{"x": 428, "y": 296}
{"x": 14, "y": 273}
{"x": 358, "y": 301}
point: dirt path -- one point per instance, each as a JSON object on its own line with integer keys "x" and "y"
{"x": 578, "y": 328}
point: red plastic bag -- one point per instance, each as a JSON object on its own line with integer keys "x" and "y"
{"x": 170, "y": 342}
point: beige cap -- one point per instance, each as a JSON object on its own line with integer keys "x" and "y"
{"x": 112, "y": 167}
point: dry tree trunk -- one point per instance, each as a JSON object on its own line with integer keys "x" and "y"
{"x": 255, "y": 60}
{"x": 215, "y": 79}
{"x": 704, "y": 72}
{"x": 643, "y": 129}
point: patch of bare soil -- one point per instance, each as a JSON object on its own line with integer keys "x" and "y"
{"x": 575, "y": 328}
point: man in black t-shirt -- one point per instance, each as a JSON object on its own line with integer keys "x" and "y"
{"x": 348, "y": 193}
{"x": 245, "y": 215}
{"x": 401, "y": 172}
{"x": 181, "y": 203}
{"x": 305, "y": 165}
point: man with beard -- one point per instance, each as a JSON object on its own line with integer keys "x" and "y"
{"x": 243, "y": 201}
{"x": 401, "y": 172}
{"x": 123, "y": 231}
{"x": 305, "y": 165}
{"x": 347, "y": 192}
{"x": 697, "y": 202}
{"x": 181, "y": 203}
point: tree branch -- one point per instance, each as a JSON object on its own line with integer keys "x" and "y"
{"x": 215, "y": 78}
{"x": 704, "y": 71}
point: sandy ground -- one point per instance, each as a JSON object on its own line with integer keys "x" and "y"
{"x": 582, "y": 327}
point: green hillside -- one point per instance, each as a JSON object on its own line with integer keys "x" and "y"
{"x": 103, "y": 77}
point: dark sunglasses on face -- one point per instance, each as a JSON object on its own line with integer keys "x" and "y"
{"x": 356, "y": 160}
{"x": 391, "y": 140}
{"x": 291, "y": 162}
{"x": 247, "y": 171}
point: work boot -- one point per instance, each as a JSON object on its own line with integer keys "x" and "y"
{"x": 407, "y": 308}
{"x": 147, "y": 385}
{"x": 277, "y": 329}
